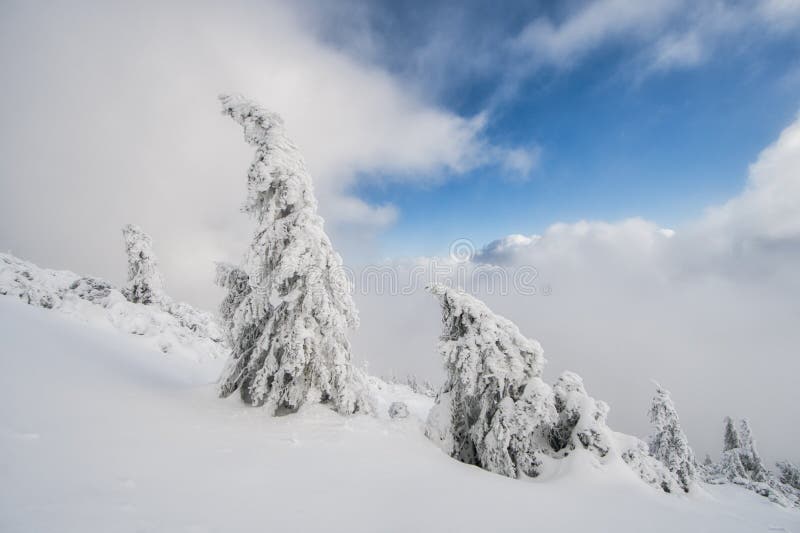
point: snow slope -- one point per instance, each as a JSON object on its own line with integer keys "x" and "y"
{"x": 101, "y": 432}
{"x": 172, "y": 327}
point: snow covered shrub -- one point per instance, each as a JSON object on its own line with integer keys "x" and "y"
{"x": 636, "y": 455}
{"x": 789, "y": 474}
{"x": 144, "y": 280}
{"x": 398, "y": 410}
{"x": 581, "y": 418}
{"x": 94, "y": 290}
{"x": 288, "y": 327}
{"x": 477, "y": 418}
{"x": 668, "y": 443}
{"x": 32, "y": 285}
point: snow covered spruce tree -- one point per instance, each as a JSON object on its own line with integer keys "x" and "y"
{"x": 740, "y": 461}
{"x": 730, "y": 464}
{"x": 668, "y": 443}
{"x": 731, "y": 439}
{"x": 789, "y": 474}
{"x": 751, "y": 459}
{"x": 493, "y": 411}
{"x": 144, "y": 279}
{"x": 288, "y": 323}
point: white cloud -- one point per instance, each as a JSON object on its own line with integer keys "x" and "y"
{"x": 667, "y": 34}
{"x": 593, "y": 24}
{"x": 110, "y": 114}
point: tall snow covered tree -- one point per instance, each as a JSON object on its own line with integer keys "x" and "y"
{"x": 144, "y": 279}
{"x": 668, "y": 443}
{"x": 288, "y": 330}
{"x": 493, "y": 410}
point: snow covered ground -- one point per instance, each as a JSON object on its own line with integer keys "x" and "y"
{"x": 102, "y": 432}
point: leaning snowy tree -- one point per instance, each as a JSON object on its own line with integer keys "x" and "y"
{"x": 493, "y": 411}
{"x": 668, "y": 443}
{"x": 144, "y": 279}
{"x": 288, "y": 325}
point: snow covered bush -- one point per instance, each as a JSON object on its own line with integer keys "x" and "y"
{"x": 398, "y": 410}
{"x": 636, "y": 455}
{"x": 288, "y": 326}
{"x": 144, "y": 280}
{"x": 668, "y": 443}
{"x": 789, "y": 474}
{"x": 581, "y": 418}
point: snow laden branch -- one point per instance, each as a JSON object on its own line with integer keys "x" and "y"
{"x": 288, "y": 307}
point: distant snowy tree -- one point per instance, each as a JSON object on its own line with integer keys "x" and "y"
{"x": 144, "y": 279}
{"x": 486, "y": 414}
{"x": 732, "y": 440}
{"x": 289, "y": 329}
{"x": 789, "y": 473}
{"x": 668, "y": 443}
{"x": 743, "y": 466}
{"x": 707, "y": 461}
{"x": 749, "y": 456}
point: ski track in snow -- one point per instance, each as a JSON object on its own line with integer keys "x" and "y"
{"x": 101, "y": 433}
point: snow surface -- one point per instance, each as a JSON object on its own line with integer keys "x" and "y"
{"x": 172, "y": 327}
{"x": 101, "y": 432}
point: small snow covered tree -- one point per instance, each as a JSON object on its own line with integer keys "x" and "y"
{"x": 732, "y": 440}
{"x": 750, "y": 458}
{"x": 288, "y": 327}
{"x": 789, "y": 473}
{"x": 493, "y": 410}
{"x": 668, "y": 443}
{"x": 144, "y": 279}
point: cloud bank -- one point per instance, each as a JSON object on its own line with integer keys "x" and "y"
{"x": 709, "y": 309}
{"x": 110, "y": 117}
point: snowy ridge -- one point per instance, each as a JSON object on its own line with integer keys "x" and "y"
{"x": 171, "y": 327}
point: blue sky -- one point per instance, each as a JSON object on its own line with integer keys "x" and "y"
{"x": 616, "y": 138}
